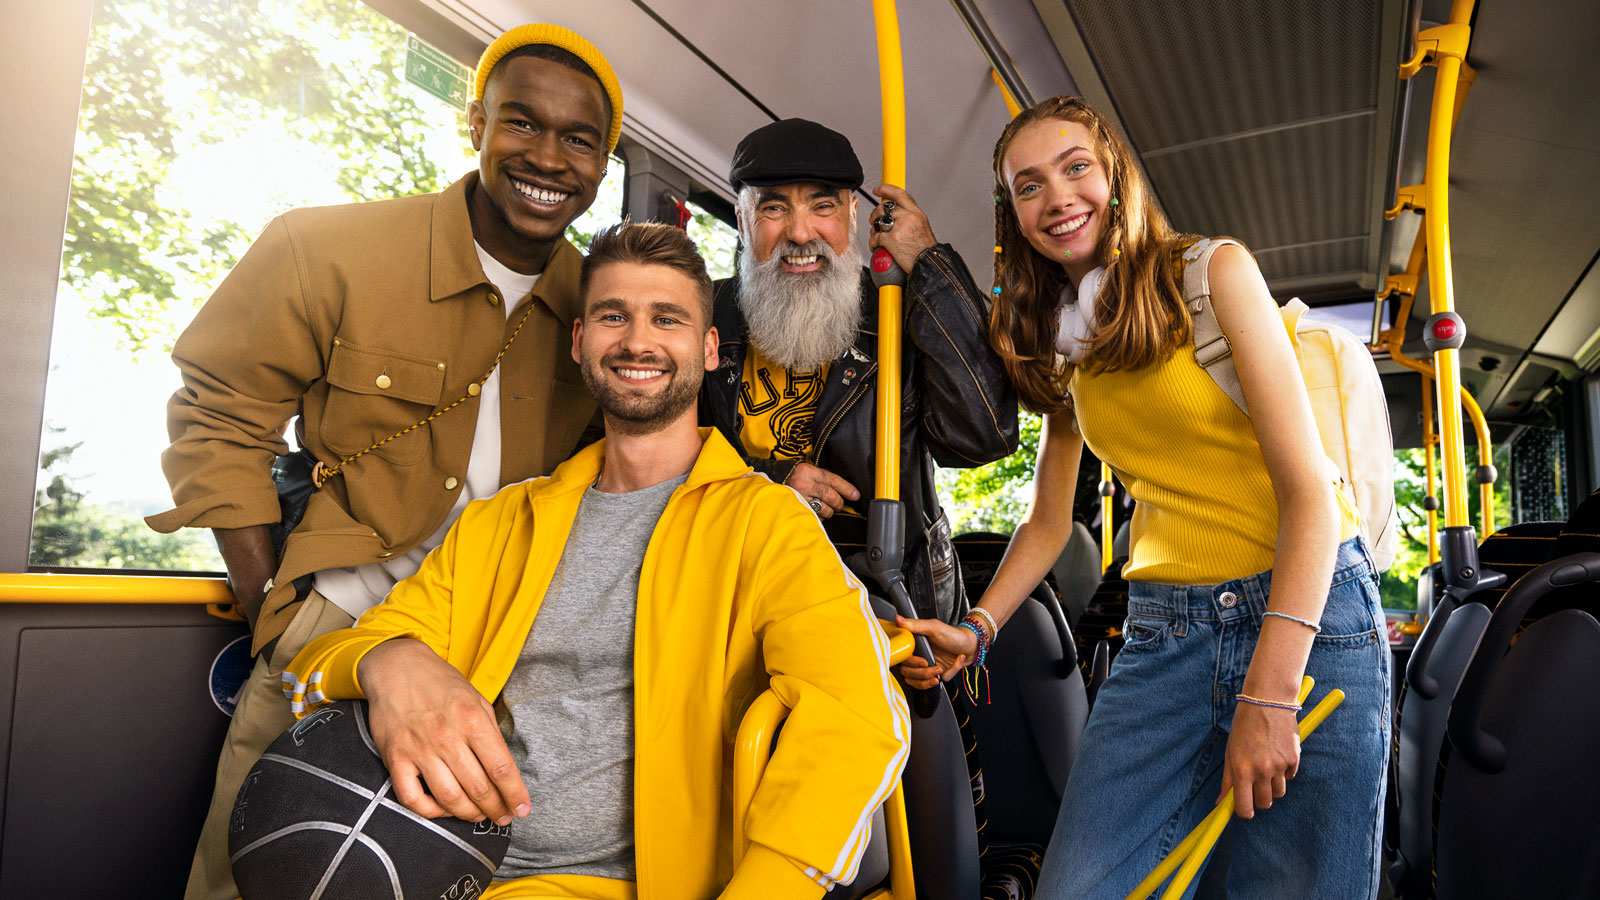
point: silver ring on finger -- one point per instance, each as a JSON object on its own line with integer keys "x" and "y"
{"x": 815, "y": 504}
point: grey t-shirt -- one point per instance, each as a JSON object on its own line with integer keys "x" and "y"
{"x": 567, "y": 710}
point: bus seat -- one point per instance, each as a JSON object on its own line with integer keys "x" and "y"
{"x": 1420, "y": 732}
{"x": 1026, "y": 723}
{"x": 1099, "y": 669}
{"x": 1103, "y": 619}
{"x": 1029, "y": 720}
{"x": 1121, "y": 541}
{"x": 1077, "y": 573}
{"x": 1520, "y": 807}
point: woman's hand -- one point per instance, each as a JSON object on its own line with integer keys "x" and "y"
{"x": 952, "y": 647}
{"x": 1263, "y": 754}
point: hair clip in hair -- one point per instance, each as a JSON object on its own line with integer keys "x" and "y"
{"x": 997, "y": 248}
{"x": 1115, "y": 201}
{"x": 997, "y": 289}
{"x": 1116, "y": 251}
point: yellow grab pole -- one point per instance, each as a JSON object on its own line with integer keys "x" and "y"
{"x": 1005, "y": 94}
{"x": 42, "y": 587}
{"x": 1480, "y": 426}
{"x": 1441, "y": 291}
{"x": 1429, "y": 440}
{"x": 1469, "y": 404}
{"x": 891, "y": 82}
{"x": 1107, "y": 533}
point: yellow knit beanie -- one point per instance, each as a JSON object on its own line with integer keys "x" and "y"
{"x": 568, "y": 40}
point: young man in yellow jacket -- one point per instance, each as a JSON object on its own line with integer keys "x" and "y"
{"x": 577, "y": 654}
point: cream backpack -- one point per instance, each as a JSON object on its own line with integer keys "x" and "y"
{"x": 1346, "y": 397}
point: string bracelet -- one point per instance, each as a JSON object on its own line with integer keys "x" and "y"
{"x": 1315, "y": 628}
{"x": 994, "y": 630}
{"x": 969, "y": 677}
{"x": 1246, "y": 698}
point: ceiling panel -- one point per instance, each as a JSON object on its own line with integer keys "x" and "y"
{"x": 1254, "y": 118}
{"x": 1277, "y": 189}
{"x": 1186, "y": 70}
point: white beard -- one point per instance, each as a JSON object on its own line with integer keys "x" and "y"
{"x": 801, "y": 320}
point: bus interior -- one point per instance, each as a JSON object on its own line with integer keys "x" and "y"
{"x": 1388, "y": 162}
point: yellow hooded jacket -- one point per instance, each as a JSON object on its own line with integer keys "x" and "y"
{"x": 740, "y": 590}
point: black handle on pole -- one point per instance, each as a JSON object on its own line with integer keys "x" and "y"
{"x": 886, "y": 541}
{"x": 1458, "y": 562}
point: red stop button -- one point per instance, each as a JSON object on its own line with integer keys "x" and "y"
{"x": 1444, "y": 329}
{"x": 882, "y": 261}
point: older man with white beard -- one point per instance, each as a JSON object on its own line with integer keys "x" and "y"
{"x": 794, "y": 390}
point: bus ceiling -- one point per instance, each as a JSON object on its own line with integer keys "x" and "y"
{"x": 1290, "y": 132}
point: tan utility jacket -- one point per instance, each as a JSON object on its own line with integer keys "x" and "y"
{"x": 361, "y": 320}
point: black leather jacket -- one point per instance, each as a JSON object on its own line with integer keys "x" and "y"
{"x": 957, "y": 410}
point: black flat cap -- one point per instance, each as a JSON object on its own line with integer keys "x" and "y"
{"x": 791, "y": 151}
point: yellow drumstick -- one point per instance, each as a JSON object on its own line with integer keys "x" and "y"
{"x": 1193, "y": 850}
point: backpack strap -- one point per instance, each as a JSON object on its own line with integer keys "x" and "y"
{"x": 1211, "y": 348}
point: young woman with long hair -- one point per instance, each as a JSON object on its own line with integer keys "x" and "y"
{"x": 1245, "y": 566}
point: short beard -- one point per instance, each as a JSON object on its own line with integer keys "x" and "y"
{"x": 801, "y": 320}
{"x": 633, "y": 415}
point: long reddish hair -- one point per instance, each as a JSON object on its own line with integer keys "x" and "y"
{"x": 1140, "y": 313}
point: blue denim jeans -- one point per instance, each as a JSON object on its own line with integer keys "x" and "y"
{"x": 1149, "y": 766}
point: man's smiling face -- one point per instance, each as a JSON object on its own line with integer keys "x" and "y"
{"x": 540, "y": 135}
{"x": 643, "y": 345}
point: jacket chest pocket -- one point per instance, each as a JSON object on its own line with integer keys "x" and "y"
{"x": 372, "y": 394}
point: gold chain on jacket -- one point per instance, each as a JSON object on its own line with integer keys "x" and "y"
{"x": 321, "y": 472}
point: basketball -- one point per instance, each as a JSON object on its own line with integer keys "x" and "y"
{"x": 317, "y": 818}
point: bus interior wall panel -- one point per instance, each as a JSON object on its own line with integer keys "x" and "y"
{"x": 108, "y": 723}
{"x": 42, "y": 47}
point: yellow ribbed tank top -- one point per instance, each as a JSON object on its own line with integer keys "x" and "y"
{"x": 1206, "y": 511}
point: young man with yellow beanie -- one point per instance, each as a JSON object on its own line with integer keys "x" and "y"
{"x": 419, "y": 346}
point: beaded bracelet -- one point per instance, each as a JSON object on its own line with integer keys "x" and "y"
{"x": 976, "y": 628}
{"x": 1315, "y": 628}
{"x": 1246, "y": 698}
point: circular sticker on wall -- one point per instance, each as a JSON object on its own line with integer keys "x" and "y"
{"x": 229, "y": 671}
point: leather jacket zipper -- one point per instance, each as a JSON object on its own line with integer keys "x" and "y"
{"x": 831, "y": 424}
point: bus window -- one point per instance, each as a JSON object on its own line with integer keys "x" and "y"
{"x": 199, "y": 123}
{"x": 717, "y": 240}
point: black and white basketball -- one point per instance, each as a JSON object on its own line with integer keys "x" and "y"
{"x": 317, "y": 819}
